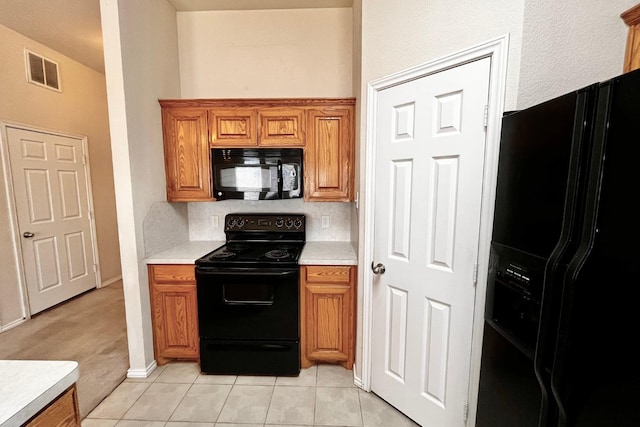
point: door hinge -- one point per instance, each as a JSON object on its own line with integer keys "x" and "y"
{"x": 95, "y": 268}
{"x": 486, "y": 115}
{"x": 90, "y": 214}
{"x": 475, "y": 274}
{"x": 84, "y": 159}
{"x": 466, "y": 411}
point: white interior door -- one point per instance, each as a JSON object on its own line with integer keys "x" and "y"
{"x": 430, "y": 143}
{"x": 50, "y": 187}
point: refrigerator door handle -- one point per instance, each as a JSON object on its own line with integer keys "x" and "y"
{"x": 561, "y": 364}
{"x": 555, "y": 267}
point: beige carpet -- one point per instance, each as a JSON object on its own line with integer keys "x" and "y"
{"x": 89, "y": 329}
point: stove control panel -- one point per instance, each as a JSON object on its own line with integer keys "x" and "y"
{"x": 264, "y": 222}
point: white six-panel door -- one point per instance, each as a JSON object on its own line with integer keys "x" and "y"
{"x": 50, "y": 187}
{"x": 430, "y": 143}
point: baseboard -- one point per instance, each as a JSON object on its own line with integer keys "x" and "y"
{"x": 111, "y": 281}
{"x": 12, "y": 324}
{"x": 142, "y": 373}
{"x": 356, "y": 379}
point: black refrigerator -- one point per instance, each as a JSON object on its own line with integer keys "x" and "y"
{"x": 562, "y": 318}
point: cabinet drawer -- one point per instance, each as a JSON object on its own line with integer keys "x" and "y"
{"x": 320, "y": 274}
{"x": 172, "y": 273}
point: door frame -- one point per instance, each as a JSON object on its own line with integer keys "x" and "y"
{"x": 13, "y": 209}
{"x": 497, "y": 50}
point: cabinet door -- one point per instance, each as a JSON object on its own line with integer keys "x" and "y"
{"x": 186, "y": 154}
{"x": 174, "y": 306}
{"x": 631, "y": 17}
{"x": 329, "y": 155}
{"x": 233, "y": 127}
{"x": 328, "y": 315}
{"x": 281, "y": 127}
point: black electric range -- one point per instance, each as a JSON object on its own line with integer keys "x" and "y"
{"x": 248, "y": 296}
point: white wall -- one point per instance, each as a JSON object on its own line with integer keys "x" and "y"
{"x": 398, "y": 36}
{"x": 141, "y": 58}
{"x": 80, "y": 109}
{"x": 568, "y": 45}
{"x": 266, "y": 53}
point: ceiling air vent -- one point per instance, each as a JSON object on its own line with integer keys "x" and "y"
{"x": 42, "y": 71}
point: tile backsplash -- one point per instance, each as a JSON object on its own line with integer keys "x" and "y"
{"x": 164, "y": 226}
{"x": 336, "y": 215}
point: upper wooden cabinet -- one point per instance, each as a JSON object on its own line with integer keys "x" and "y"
{"x": 281, "y": 127}
{"x": 186, "y": 154}
{"x": 324, "y": 128}
{"x": 631, "y": 17}
{"x": 250, "y": 127}
{"x": 234, "y": 127}
{"x": 329, "y": 155}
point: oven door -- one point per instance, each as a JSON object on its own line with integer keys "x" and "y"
{"x": 248, "y": 303}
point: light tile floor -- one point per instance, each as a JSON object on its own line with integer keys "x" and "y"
{"x": 178, "y": 395}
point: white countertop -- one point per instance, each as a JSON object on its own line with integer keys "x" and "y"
{"x": 314, "y": 253}
{"x": 186, "y": 253}
{"x": 27, "y": 386}
{"x": 328, "y": 253}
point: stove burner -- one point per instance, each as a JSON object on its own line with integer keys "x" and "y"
{"x": 223, "y": 254}
{"x": 237, "y": 247}
{"x": 277, "y": 254}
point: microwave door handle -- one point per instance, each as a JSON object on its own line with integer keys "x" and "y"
{"x": 279, "y": 179}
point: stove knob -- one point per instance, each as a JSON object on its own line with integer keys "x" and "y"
{"x": 240, "y": 223}
{"x": 288, "y": 223}
{"x": 298, "y": 223}
{"x": 279, "y": 222}
{"x": 231, "y": 223}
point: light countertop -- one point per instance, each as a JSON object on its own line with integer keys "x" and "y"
{"x": 328, "y": 253}
{"x": 314, "y": 253}
{"x": 27, "y": 386}
{"x": 186, "y": 253}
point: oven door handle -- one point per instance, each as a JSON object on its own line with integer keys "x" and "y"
{"x": 214, "y": 271}
{"x": 247, "y": 303}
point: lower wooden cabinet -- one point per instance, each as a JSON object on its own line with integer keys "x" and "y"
{"x": 327, "y": 303}
{"x": 174, "y": 307}
{"x": 62, "y": 412}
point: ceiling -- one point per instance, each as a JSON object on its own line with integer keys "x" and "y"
{"x": 73, "y": 28}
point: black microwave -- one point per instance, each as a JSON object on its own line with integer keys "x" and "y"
{"x": 257, "y": 173}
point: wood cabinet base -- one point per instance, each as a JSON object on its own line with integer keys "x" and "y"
{"x": 327, "y": 315}
{"x": 62, "y": 412}
{"x": 174, "y": 307}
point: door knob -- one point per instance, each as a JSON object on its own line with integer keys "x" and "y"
{"x": 27, "y": 234}
{"x": 378, "y": 269}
